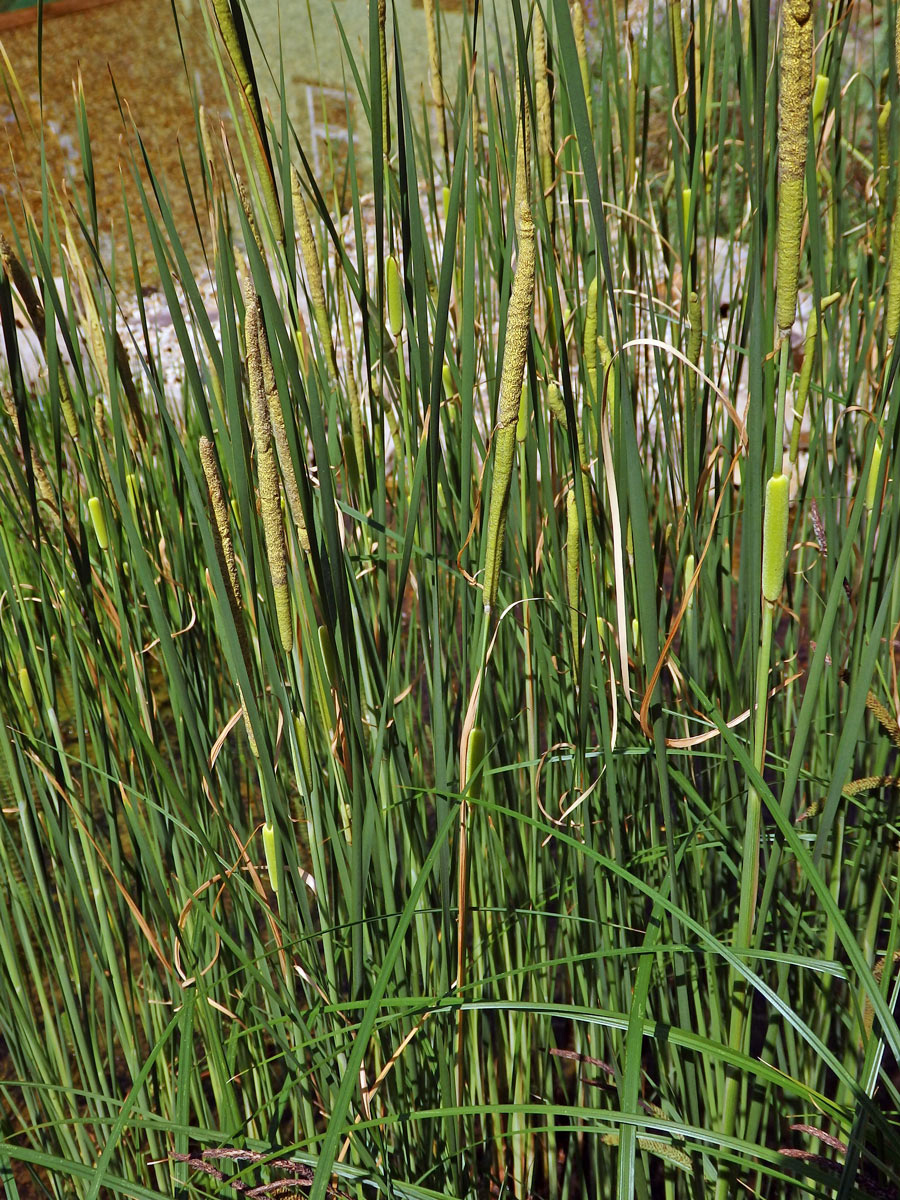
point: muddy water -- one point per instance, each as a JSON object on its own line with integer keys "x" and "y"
{"x": 135, "y": 77}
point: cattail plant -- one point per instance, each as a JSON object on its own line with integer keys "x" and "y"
{"x": 573, "y": 552}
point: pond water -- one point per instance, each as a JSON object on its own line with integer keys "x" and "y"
{"x": 139, "y": 71}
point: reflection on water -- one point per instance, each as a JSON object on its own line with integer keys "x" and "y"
{"x": 135, "y": 76}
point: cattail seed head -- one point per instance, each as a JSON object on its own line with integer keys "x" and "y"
{"x": 394, "y": 296}
{"x": 270, "y": 845}
{"x": 793, "y": 132}
{"x": 313, "y": 268}
{"x": 590, "y": 335}
{"x": 695, "y": 338}
{"x": 269, "y": 489}
{"x": 542, "y": 104}
{"x": 98, "y": 520}
{"x": 518, "y": 324}
{"x": 775, "y": 530}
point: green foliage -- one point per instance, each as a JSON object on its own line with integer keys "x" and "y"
{"x": 575, "y": 894}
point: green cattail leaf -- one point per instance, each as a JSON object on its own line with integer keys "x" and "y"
{"x": 524, "y": 414}
{"x": 98, "y": 520}
{"x": 26, "y": 689}
{"x": 302, "y": 732}
{"x": 329, "y": 657}
{"x": 573, "y": 553}
{"x": 775, "y": 529}
{"x": 475, "y": 751}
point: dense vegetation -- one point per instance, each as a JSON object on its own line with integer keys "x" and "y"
{"x": 449, "y": 740}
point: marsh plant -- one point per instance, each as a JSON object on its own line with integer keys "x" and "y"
{"x": 449, "y": 736}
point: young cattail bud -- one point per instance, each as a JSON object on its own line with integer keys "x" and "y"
{"x": 793, "y": 131}
{"x": 686, "y": 215}
{"x": 609, "y": 375}
{"x": 447, "y": 380}
{"x": 872, "y": 481}
{"x": 775, "y": 529}
{"x": 695, "y": 338}
{"x": 820, "y": 93}
{"x": 690, "y": 565}
{"x": 98, "y": 520}
{"x": 394, "y": 296}
{"x": 270, "y": 845}
{"x": 884, "y": 166}
{"x": 556, "y": 405}
{"x": 590, "y": 336}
